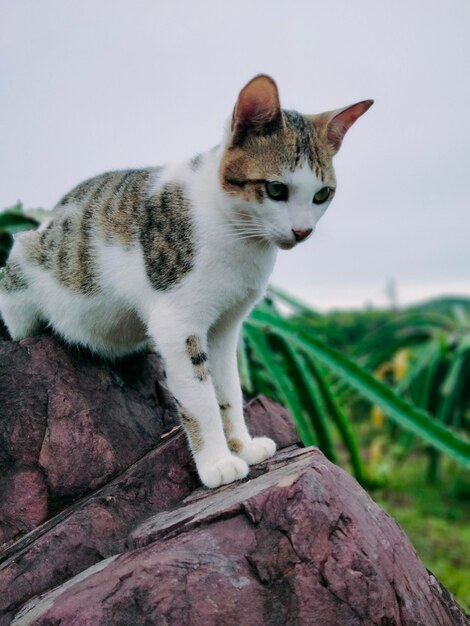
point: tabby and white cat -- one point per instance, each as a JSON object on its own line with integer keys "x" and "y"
{"x": 180, "y": 254}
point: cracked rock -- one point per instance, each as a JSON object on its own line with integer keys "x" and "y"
{"x": 68, "y": 424}
{"x": 301, "y": 543}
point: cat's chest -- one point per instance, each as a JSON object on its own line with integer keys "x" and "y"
{"x": 230, "y": 275}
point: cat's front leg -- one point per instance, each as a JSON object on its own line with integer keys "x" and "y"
{"x": 184, "y": 352}
{"x": 223, "y": 338}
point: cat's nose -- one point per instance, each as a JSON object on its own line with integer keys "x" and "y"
{"x": 300, "y": 235}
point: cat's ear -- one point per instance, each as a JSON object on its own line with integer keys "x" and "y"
{"x": 335, "y": 124}
{"x": 257, "y": 110}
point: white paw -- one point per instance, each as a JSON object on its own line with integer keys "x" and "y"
{"x": 257, "y": 450}
{"x": 225, "y": 470}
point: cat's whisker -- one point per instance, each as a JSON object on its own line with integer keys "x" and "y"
{"x": 240, "y": 227}
{"x": 245, "y": 224}
{"x": 238, "y": 237}
{"x": 235, "y": 225}
{"x": 251, "y": 223}
{"x": 240, "y": 231}
{"x": 248, "y": 236}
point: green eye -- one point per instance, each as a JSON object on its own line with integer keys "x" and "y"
{"x": 276, "y": 191}
{"x": 322, "y": 196}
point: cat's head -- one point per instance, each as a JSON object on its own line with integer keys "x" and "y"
{"x": 277, "y": 165}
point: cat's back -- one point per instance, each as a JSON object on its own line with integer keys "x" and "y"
{"x": 107, "y": 202}
{"x": 105, "y": 208}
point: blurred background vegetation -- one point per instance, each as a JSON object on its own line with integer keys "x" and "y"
{"x": 384, "y": 393}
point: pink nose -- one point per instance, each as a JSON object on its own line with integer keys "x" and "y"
{"x": 300, "y": 235}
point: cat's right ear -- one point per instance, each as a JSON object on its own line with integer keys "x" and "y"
{"x": 258, "y": 110}
{"x": 335, "y": 124}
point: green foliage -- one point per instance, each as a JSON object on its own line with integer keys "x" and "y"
{"x": 437, "y": 373}
{"x": 435, "y": 519}
{"x": 340, "y": 329}
{"x": 284, "y": 359}
{"x": 425, "y": 356}
{"x": 14, "y": 220}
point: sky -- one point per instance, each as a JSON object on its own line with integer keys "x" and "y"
{"x": 90, "y": 86}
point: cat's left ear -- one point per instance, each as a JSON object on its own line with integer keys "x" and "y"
{"x": 258, "y": 110}
{"x": 336, "y": 123}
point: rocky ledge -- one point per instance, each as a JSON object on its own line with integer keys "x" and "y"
{"x": 103, "y": 521}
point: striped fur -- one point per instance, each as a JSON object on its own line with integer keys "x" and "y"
{"x": 116, "y": 207}
{"x": 14, "y": 279}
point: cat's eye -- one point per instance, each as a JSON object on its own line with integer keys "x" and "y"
{"x": 322, "y": 196}
{"x": 276, "y": 190}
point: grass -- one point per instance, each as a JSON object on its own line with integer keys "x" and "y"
{"x": 435, "y": 518}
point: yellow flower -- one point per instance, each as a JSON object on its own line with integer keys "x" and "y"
{"x": 377, "y": 416}
{"x": 376, "y": 451}
{"x": 400, "y": 364}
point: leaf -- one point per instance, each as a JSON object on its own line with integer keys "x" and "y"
{"x": 306, "y": 390}
{"x": 404, "y": 329}
{"x": 427, "y": 383}
{"x": 342, "y": 423}
{"x": 243, "y": 366}
{"x": 293, "y": 302}
{"x": 280, "y": 381}
{"x": 453, "y": 385}
{"x": 12, "y": 222}
{"x": 403, "y": 413}
{"x": 422, "y": 357}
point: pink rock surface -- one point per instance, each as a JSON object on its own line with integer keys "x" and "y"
{"x": 300, "y": 544}
{"x": 23, "y": 503}
{"x": 71, "y": 421}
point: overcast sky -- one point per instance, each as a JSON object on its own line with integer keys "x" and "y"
{"x": 93, "y": 85}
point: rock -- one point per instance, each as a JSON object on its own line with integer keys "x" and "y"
{"x": 83, "y": 421}
{"x": 98, "y": 525}
{"x": 300, "y": 544}
{"x": 23, "y": 501}
{"x": 119, "y": 532}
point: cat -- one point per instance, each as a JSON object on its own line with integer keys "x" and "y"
{"x": 180, "y": 254}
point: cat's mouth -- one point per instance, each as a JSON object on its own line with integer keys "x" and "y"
{"x": 285, "y": 244}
